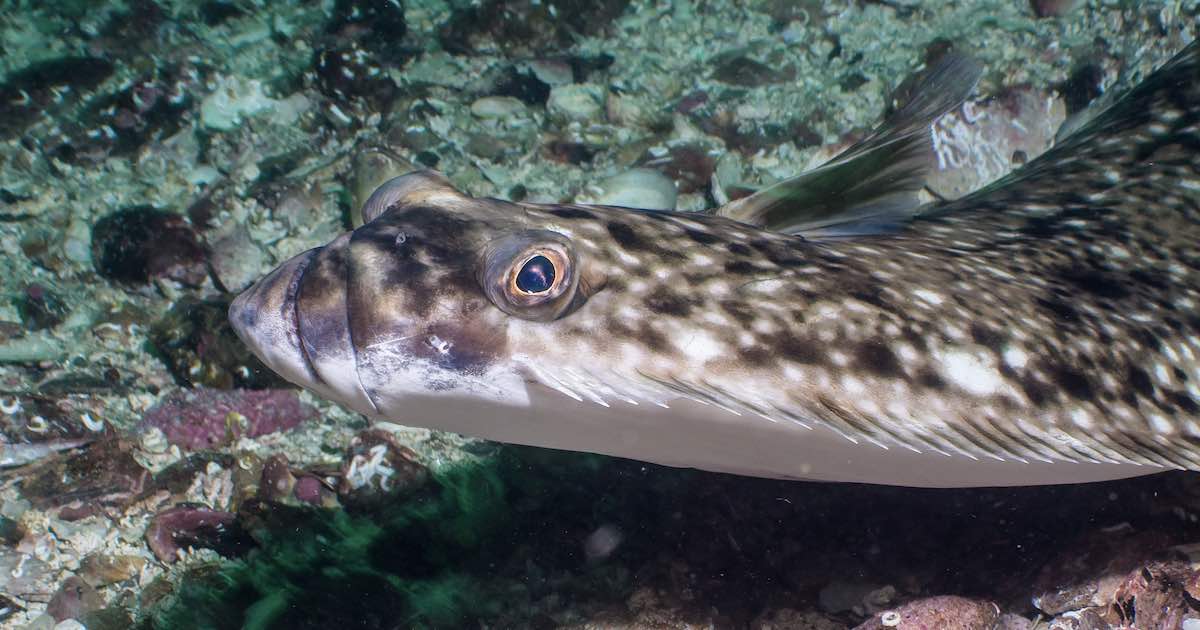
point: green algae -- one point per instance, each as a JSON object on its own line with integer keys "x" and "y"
{"x": 419, "y": 562}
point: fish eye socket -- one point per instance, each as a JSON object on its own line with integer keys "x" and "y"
{"x": 532, "y": 274}
{"x": 536, "y": 275}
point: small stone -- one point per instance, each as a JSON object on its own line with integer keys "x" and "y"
{"x": 582, "y": 102}
{"x": 100, "y": 569}
{"x": 638, "y": 188}
{"x": 497, "y": 107}
{"x": 237, "y": 261}
{"x": 552, "y": 72}
{"x": 233, "y": 100}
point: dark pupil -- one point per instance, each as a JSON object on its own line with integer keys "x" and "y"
{"x": 537, "y": 276}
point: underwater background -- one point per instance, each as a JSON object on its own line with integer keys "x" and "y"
{"x": 156, "y": 157}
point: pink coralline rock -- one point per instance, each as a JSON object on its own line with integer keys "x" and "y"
{"x": 945, "y": 612}
{"x": 208, "y": 418}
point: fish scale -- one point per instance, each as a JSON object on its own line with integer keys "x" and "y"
{"x": 1043, "y": 330}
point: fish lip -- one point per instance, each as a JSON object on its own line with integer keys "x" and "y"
{"x": 264, "y": 318}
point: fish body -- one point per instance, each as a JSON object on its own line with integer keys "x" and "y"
{"x": 1043, "y": 330}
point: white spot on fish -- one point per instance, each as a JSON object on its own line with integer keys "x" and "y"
{"x": 1015, "y": 358}
{"x": 1082, "y": 419}
{"x": 970, "y": 371}
{"x": 701, "y": 346}
{"x": 1161, "y": 424}
{"x": 928, "y": 296}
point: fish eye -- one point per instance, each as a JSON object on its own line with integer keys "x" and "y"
{"x": 536, "y": 275}
{"x": 531, "y": 274}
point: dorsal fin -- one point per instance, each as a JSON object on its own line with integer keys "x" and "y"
{"x": 427, "y": 186}
{"x": 873, "y": 183}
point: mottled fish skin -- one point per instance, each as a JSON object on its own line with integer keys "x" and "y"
{"x": 1044, "y": 330}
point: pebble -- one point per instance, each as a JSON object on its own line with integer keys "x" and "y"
{"x": 497, "y": 107}
{"x": 552, "y": 72}
{"x": 233, "y": 100}
{"x": 582, "y": 102}
{"x": 638, "y": 188}
{"x": 100, "y": 569}
{"x": 237, "y": 261}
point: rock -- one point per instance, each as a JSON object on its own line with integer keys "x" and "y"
{"x": 237, "y": 261}
{"x": 74, "y": 598}
{"x": 142, "y": 243}
{"x": 100, "y": 569}
{"x": 497, "y": 107}
{"x": 582, "y": 102}
{"x": 944, "y": 613}
{"x": 104, "y": 474}
{"x": 207, "y": 418}
{"x": 183, "y": 526}
{"x": 638, "y": 188}
{"x": 552, "y": 72}
{"x": 233, "y": 100}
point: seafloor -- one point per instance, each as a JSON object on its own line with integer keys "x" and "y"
{"x": 157, "y": 156}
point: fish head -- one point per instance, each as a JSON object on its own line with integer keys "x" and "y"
{"x": 439, "y": 297}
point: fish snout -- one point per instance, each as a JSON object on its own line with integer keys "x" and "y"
{"x": 264, "y": 317}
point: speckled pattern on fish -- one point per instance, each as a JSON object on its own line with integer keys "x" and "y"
{"x": 1046, "y": 329}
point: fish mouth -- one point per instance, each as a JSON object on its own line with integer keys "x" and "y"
{"x": 277, "y": 318}
{"x": 264, "y": 318}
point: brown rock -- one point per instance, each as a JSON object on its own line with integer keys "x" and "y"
{"x": 102, "y": 569}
